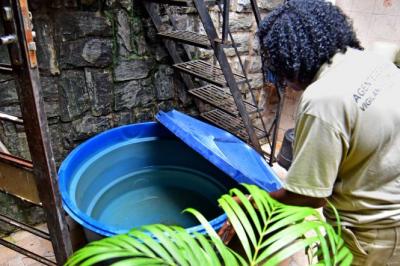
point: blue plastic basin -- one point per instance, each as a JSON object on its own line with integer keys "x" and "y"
{"x": 140, "y": 174}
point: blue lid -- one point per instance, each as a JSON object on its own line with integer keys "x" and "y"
{"x": 221, "y": 148}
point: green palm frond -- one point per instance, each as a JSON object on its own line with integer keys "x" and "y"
{"x": 268, "y": 231}
{"x": 155, "y": 245}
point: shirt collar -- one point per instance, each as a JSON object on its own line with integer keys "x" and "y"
{"x": 336, "y": 59}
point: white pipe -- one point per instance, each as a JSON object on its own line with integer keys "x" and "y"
{"x": 11, "y": 118}
{"x": 3, "y": 148}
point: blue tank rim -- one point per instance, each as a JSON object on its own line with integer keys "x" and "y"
{"x": 88, "y": 222}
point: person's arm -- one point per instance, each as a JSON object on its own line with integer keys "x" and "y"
{"x": 290, "y": 198}
{"x": 318, "y": 151}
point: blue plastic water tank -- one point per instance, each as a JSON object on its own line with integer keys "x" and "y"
{"x": 140, "y": 174}
{"x": 148, "y": 173}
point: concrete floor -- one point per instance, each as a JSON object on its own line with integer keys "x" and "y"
{"x": 30, "y": 242}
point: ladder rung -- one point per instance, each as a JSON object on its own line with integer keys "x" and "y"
{"x": 25, "y": 227}
{"x": 26, "y": 252}
{"x": 11, "y": 118}
{"x": 6, "y": 69}
{"x": 187, "y": 3}
{"x": 220, "y": 98}
{"x": 208, "y": 72}
{"x": 192, "y": 38}
{"x": 231, "y": 123}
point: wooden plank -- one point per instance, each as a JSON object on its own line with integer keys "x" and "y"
{"x": 16, "y": 178}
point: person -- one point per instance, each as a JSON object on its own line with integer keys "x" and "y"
{"x": 347, "y": 133}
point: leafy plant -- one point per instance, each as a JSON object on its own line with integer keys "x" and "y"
{"x": 269, "y": 232}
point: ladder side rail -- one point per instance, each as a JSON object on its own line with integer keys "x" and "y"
{"x": 25, "y": 68}
{"x": 225, "y": 22}
{"x": 264, "y": 128}
{"x": 256, "y": 11}
{"x": 227, "y": 71}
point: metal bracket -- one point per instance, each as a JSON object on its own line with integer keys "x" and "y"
{"x": 29, "y": 34}
{"x": 11, "y": 38}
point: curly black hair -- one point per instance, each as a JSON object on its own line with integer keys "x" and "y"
{"x": 299, "y": 36}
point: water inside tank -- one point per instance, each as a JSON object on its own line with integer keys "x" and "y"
{"x": 149, "y": 181}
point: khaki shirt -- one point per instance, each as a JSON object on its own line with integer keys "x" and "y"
{"x": 347, "y": 140}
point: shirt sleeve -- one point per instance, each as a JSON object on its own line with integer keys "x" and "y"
{"x": 317, "y": 153}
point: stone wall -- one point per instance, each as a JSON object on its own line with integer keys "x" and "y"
{"x": 102, "y": 66}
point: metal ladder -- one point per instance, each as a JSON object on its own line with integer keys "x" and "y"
{"x": 34, "y": 181}
{"x": 221, "y": 89}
